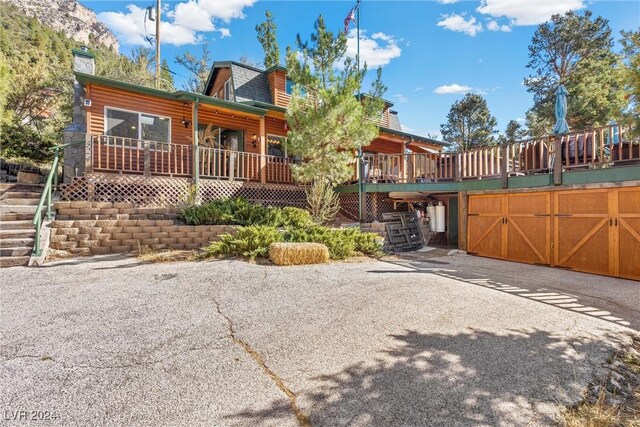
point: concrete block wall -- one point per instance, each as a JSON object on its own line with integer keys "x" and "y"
{"x": 90, "y": 228}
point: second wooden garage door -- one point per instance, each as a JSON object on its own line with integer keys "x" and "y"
{"x": 591, "y": 230}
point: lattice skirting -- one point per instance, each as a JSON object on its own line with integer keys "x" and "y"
{"x": 171, "y": 191}
{"x": 375, "y": 205}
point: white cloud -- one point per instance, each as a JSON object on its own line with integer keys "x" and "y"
{"x": 454, "y": 88}
{"x": 182, "y": 24}
{"x": 448, "y": 1}
{"x": 418, "y": 89}
{"x": 528, "y": 12}
{"x": 494, "y": 26}
{"x": 401, "y": 98}
{"x": 455, "y": 22}
{"x": 376, "y": 51}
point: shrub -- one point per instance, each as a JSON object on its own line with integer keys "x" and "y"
{"x": 323, "y": 202}
{"x": 342, "y": 243}
{"x": 240, "y": 212}
{"x": 251, "y": 242}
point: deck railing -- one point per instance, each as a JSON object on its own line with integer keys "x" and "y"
{"x": 601, "y": 147}
{"x": 153, "y": 158}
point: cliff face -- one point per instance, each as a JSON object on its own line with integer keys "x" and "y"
{"x": 77, "y": 21}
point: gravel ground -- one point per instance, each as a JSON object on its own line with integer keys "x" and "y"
{"x": 442, "y": 341}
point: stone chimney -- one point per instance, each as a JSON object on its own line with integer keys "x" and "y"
{"x": 74, "y": 157}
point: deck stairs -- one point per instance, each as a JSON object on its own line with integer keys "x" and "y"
{"x": 18, "y": 203}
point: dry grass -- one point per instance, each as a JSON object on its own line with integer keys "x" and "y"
{"x": 175, "y": 255}
{"x": 599, "y": 411}
{"x": 598, "y": 414}
{"x": 298, "y": 253}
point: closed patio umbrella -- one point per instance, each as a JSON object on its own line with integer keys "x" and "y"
{"x": 560, "y": 128}
{"x": 561, "y": 111}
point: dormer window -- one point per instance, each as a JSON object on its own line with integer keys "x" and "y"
{"x": 228, "y": 91}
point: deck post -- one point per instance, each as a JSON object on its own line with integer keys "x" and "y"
{"x": 88, "y": 153}
{"x": 463, "y": 217}
{"x": 504, "y": 170}
{"x": 147, "y": 159}
{"x": 403, "y": 162}
{"x": 196, "y": 150}
{"x": 263, "y": 151}
{"x": 557, "y": 160}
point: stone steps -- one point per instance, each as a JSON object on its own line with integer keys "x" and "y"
{"x": 12, "y": 216}
{"x": 22, "y": 194}
{"x": 16, "y": 242}
{"x": 18, "y": 204}
{"x": 15, "y": 252}
{"x": 17, "y": 233}
{"x": 13, "y": 261}
{"x": 19, "y": 209}
{"x": 7, "y": 201}
{"x": 10, "y": 225}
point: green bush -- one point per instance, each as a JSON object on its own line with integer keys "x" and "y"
{"x": 240, "y": 212}
{"x": 250, "y": 242}
{"x": 254, "y": 241}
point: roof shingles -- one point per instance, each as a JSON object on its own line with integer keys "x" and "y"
{"x": 250, "y": 84}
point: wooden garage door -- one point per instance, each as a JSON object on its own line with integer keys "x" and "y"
{"x": 529, "y": 228}
{"x": 627, "y": 228}
{"x": 486, "y": 236}
{"x": 582, "y": 238}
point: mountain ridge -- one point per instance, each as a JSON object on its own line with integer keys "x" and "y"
{"x": 76, "y": 20}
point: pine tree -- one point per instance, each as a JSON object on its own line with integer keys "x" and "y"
{"x": 266, "y": 32}
{"x": 198, "y": 68}
{"x": 327, "y": 121}
{"x": 469, "y": 124}
{"x": 575, "y": 50}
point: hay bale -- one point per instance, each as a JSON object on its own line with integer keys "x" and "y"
{"x": 298, "y": 253}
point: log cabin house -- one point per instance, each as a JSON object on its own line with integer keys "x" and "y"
{"x": 569, "y": 201}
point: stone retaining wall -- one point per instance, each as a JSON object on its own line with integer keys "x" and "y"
{"x": 90, "y": 228}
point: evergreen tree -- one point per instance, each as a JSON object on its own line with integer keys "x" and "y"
{"x": 327, "y": 121}
{"x": 513, "y": 132}
{"x": 469, "y": 124}
{"x": 198, "y": 67}
{"x": 631, "y": 77}
{"x": 36, "y": 81}
{"x": 575, "y": 50}
{"x": 266, "y": 32}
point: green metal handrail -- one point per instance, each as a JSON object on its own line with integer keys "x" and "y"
{"x": 52, "y": 181}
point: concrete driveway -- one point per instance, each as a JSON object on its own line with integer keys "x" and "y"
{"x": 107, "y": 341}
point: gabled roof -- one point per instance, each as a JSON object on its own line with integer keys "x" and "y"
{"x": 249, "y": 83}
{"x": 180, "y": 95}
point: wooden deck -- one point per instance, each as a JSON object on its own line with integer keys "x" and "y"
{"x": 151, "y": 158}
{"x": 602, "y": 147}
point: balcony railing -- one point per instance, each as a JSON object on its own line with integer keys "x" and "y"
{"x": 152, "y": 158}
{"x": 602, "y": 147}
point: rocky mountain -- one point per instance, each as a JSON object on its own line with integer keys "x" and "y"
{"x": 77, "y": 21}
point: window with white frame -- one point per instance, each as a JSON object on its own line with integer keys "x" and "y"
{"x": 276, "y": 146}
{"x": 228, "y": 90}
{"x": 136, "y": 125}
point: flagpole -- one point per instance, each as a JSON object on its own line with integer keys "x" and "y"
{"x": 360, "y": 160}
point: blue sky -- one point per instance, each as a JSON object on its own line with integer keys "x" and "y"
{"x": 432, "y": 52}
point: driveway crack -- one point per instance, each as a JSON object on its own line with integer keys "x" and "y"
{"x": 136, "y": 364}
{"x": 303, "y": 419}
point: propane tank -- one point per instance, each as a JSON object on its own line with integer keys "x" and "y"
{"x": 440, "y": 218}
{"x": 431, "y": 214}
